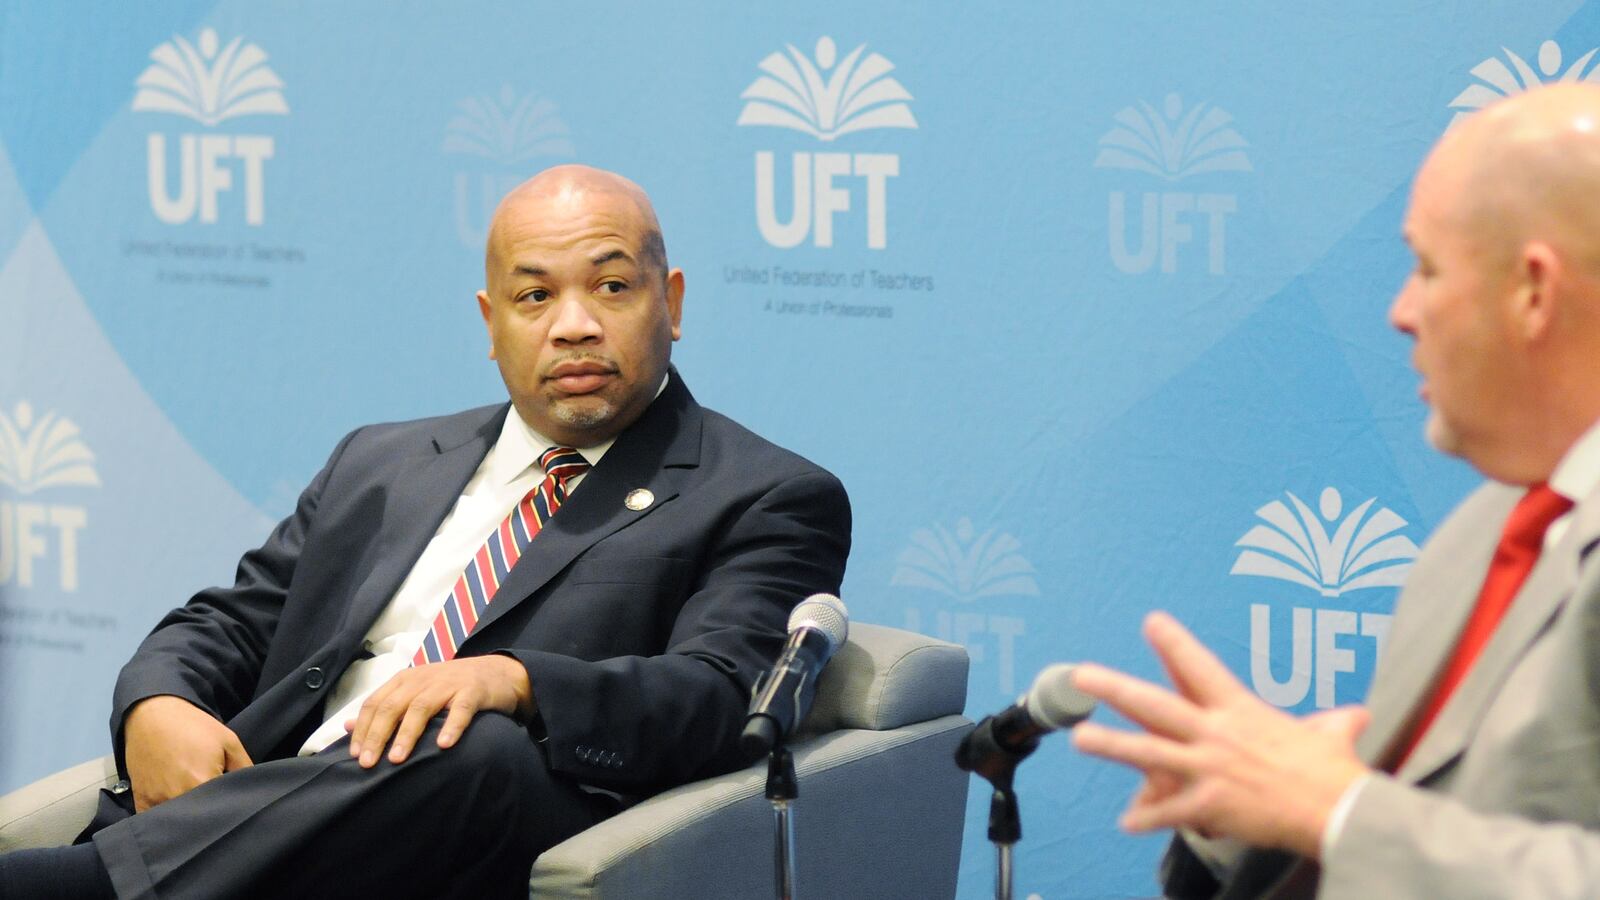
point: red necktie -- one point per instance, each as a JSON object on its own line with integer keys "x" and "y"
{"x": 1514, "y": 557}
{"x": 492, "y": 563}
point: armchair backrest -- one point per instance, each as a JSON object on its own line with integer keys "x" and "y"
{"x": 884, "y": 678}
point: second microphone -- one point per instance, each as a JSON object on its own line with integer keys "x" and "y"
{"x": 817, "y": 628}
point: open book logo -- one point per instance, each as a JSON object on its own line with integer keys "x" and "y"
{"x": 1364, "y": 550}
{"x": 1173, "y": 143}
{"x": 508, "y": 129}
{"x": 210, "y": 83}
{"x": 40, "y": 453}
{"x": 801, "y": 93}
{"x": 964, "y": 564}
{"x": 1499, "y": 78}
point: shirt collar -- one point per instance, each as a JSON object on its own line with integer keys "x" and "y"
{"x": 1578, "y": 474}
{"x": 520, "y": 447}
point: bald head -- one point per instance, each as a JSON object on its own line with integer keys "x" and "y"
{"x": 1528, "y": 168}
{"x": 563, "y": 189}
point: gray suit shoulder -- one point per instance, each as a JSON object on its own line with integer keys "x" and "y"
{"x": 1489, "y": 502}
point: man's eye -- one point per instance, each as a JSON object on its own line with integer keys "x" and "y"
{"x": 537, "y": 295}
{"x": 612, "y": 287}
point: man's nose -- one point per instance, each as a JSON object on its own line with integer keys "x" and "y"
{"x": 574, "y": 322}
{"x": 1402, "y": 312}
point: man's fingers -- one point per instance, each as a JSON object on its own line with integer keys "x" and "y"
{"x": 380, "y": 724}
{"x": 1151, "y": 705}
{"x": 234, "y": 756}
{"x": 419, "y": 712}
{"x": 398, "y": 713}
{"x": 1176, "y": 810}
{"x": 364, "y": 717}
{"x": 1343, "y": 722}
{"x": 177, "y": 782}
{"x": 1195, "y": 671}
{"x": 379, "y": 729}
{"x": 455, "y": 724}
{"x": 1145, "y": 752}
{"x": 1157, "y": 786}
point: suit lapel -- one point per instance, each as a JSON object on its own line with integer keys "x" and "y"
{"x": 423, "y": 492}
{"x": 1431, "y": 613}
{"x": 1547, "y": 588}
{"x": 1586, "y": 530}
{"x": 1537, "y": 604}
{"x": 655, "y": 453}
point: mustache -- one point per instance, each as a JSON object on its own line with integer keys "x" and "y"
{"x": 580, "y": 356}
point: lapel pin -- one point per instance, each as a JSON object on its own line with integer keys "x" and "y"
{"x": 639, "y": 498}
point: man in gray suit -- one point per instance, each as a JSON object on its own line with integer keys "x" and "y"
{"x": 1474, "y": 769}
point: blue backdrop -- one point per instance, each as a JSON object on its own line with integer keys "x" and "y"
{"x": 1084, "y": 303}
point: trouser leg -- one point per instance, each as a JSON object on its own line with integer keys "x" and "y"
{"x": 467, "y": 821}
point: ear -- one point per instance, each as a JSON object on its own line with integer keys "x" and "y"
{"x": 675, "y": 301}
{"x": 483, "y": 308}
{"x": 1539, "y": 271}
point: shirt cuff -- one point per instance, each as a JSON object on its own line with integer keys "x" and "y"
{"x": 1341, "y": 814}
{"x": 1219, "y": 855}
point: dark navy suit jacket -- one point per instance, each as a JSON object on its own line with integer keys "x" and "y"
{"x": 642, "y": 630}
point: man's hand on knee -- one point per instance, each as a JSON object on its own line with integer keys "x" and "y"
{"x": 403, "y": 706}
{"x": 172, "y": 746}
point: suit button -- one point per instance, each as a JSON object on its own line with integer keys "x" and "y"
{"x": 314, "y": 678}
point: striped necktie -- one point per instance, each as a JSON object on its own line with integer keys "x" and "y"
{"x": 464, "y": 605}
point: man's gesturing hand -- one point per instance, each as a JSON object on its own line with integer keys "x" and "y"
{"x": 171, "y": 746}
{"x": 1214, "y": 756}
{"x": 403, "y": 705}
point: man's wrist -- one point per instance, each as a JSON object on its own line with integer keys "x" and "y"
{"x": 144, "y": 702}
{"x": 527, "y": 708}
{"x": 1334, "y": 826}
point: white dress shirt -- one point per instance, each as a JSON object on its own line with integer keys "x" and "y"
{"x": 1576, "y": 476}
{"x": 508, "y": 472}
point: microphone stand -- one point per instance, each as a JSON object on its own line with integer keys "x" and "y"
{"x": 1005, "y": 829}
{"x": 998, "y": 763}
{"x": 782, "y": 789}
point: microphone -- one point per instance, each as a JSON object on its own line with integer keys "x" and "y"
{"x": 1000, "y": 741}
{"x": 779, "y": 700}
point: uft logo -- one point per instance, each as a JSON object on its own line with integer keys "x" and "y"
{"x": 967, "y": 566}
{"x": 209, "y": 84}
{"x": 1173, "y": 145}
{"x": 1499, "y": 78}
{"x": 38, "y": 454}
{"x": 499, "y": 139}
{"x": 826, "y": 98}
{"x": 1292, "y": 544}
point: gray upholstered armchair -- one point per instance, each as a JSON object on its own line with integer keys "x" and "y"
{"x": 879, "y": 814}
